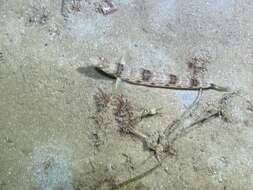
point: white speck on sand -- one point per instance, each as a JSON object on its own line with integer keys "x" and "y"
{"x": 186, "y": 98}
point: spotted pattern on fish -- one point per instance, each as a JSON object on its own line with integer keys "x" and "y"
{"x": 146, "y": 77}
{"x": 120, "y": 69}
{"x": 172, "y": 79}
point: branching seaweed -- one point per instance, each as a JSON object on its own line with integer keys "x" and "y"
{"x": 102, "y": 100}
{"x": 124, "y": 114}
{"x": 127, "y": 119}
{"x": 136, "y": 178}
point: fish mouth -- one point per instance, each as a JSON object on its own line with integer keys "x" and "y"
{"x": 104, "y": 73}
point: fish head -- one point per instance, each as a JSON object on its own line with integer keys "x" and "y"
{"x": 104, "y": 65}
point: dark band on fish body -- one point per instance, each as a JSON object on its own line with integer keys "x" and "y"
{"x": 173, "y": 79}
{"x": 194, "y": 82}
{"x": 146, "y": 75}
{"x": 138, "y": 81}
{"x": 120, "y": 69}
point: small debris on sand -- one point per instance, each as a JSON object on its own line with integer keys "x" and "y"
{"x": 107, "y": 7}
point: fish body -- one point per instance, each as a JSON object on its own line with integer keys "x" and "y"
{"x": 146, "y": 77}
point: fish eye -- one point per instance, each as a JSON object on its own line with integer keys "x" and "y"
{"x": 99, "y": 65}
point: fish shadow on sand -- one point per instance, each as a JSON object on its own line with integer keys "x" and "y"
{"x": 94, "y": 73}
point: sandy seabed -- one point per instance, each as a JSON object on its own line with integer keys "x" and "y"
{"x": 52, "y": 135}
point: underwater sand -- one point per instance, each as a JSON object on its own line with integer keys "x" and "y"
{"x": 48, "y": 136}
